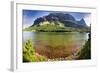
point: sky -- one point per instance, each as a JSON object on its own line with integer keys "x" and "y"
{"x": 29, "y": 16}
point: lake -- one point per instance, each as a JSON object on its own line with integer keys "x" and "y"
{"x": 56, "y": 44}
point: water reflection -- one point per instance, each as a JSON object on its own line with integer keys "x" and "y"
{"x": 56, "y": 44}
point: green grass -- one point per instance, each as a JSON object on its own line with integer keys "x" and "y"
{"x": 55, "y": 28}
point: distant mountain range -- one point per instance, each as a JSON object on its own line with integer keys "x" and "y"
{"x": 66, "y": 19}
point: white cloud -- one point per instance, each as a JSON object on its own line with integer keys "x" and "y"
{"x": 88, "y": 19}
{"x": 26, "y": 25}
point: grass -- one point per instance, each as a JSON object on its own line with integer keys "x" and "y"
{"x": 55, "y": 28}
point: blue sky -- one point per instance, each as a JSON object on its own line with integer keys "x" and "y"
{"x": 30, "y": 15}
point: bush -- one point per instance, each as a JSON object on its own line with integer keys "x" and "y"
{"x": 85, "y": 53}
{"x": 29, "y": 54}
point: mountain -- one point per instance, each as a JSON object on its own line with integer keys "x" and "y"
{"x": 58, "y": 22}
{"x": 54, "y": 17}
{"x": 82, "y": 22}
{"x": 67, "y": 19}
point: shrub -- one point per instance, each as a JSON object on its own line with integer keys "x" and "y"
{"x": 85, "y": 53}
{"x": 29, "y": 54}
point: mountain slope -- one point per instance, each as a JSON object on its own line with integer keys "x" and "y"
{"x": 58, "y": 22}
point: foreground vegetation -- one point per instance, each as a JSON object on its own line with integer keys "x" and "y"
{"x": 29, "y": 54}
{"x": 85, "y": 52}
